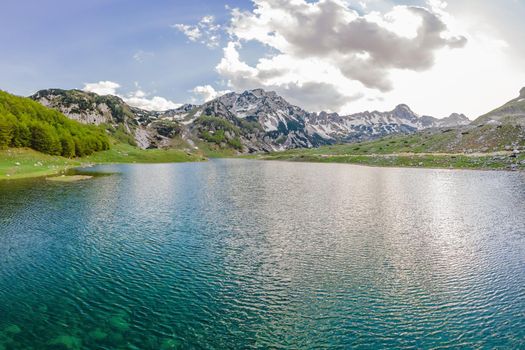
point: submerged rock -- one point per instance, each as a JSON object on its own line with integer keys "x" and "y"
{"x": 68, "y": 342}
{"x": 169, "y": 344}
{"x": 98, "y": 334}
{"x": 116, "y": 338}
{"x": 120, "y": 322}
{"x": 12, "y": 329}
{"x": 42, "y": 308}
{"x": 70, "y": 178}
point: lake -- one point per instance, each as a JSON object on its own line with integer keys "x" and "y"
{"x": 244, "y": 254}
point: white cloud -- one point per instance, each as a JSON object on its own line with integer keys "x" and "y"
{"x": 102, "y": 87}
{"x": 322, "y": 54}
{"x": 326, "y": 48}
{"x": 140, "y": 56}
{"x": 308, "y": 83}
{"x": 473, "y": 81}
{"x": 207, "y": 93}
{"x": 206, "y": 32}
{"x": 192, "y": 32}
{"x": 137, "y": 98}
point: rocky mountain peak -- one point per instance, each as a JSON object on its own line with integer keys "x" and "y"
{"x": 457, "y": 116}
{"x": 260, "y": 93}
{"x": 402, "y": 108}
{"x": 185, "y": 107}
{"x": 522, "y": 93}
{"x": 404, "y": 112}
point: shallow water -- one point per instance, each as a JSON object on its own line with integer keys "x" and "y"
{"x": 251, "y": 254}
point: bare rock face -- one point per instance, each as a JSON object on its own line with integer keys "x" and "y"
{"x": 143, "y": 138}
{"x": 86, "y": 107}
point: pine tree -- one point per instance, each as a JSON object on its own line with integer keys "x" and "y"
{"x": 6, "y": 133}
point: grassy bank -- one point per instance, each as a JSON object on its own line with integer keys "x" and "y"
{"x": 123, "y": 153}
{"x": 424, "y": 160}
{"x": 19, "y": 163}
{"x": 483, "y": 147}
{"x": 213, "y": 151}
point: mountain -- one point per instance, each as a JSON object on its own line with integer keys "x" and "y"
{"x": 512, "y": 112}
{"x": 251, "y": 121}
{"x": 452, "y": 121}
{"x": 265, "y": 121}
{"x": 369, "y": 125}
{"x": 129, "y": 124}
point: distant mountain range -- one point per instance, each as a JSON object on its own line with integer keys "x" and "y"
{"x": 252, "y": 121}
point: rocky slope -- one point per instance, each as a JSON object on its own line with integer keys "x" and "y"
{"x": 252, "y": 121}
{"x": 512, "y": 112}
{"x": 265, "y": 121}
{"x": 139, "y": 127}
{"x": 89, "y": 108}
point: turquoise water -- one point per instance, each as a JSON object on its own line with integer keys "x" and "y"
{"x": 237, "y": 254}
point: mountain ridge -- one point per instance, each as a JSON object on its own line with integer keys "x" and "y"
{"x": 252, "y": 121}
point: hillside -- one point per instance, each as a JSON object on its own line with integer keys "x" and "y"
{"x": 512, "y": 112}
{"x": 25, "y": 123}
{"x": 466, "y": 140}
{"x": 486, "y": 147}
{"x": 124, "y": 122}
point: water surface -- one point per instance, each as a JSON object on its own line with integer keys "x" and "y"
{"x": 250, "y": 254}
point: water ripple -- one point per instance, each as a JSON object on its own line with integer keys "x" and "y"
{"x": 251, "y": 255}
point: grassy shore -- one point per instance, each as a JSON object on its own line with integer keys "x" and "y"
{"x": 445, "y": 161}
{"x": 123, "y": 153}
{"x": 214, "y": 151}
{"x": 486, "y": 147}
{"x": 20, "y": 163}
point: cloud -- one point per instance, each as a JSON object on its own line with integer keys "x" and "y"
{"x": 316, "y": 96}
{"x": 102, "y": 88}
{"x": 206, "y": 32}
{"x": 140, "y": 56}
{"x": 192, "y": 32}
{"x": 315, "y": 47}
{"x": 207, "y": 92}
{"x": 137, "y": 98}
{"x": 307, "y": 82}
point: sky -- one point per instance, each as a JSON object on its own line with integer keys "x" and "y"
{"x": 345, "y": 56}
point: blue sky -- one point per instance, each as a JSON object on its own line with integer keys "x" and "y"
{"x": 66, "y": 44}
{"x": 63, "y": 43}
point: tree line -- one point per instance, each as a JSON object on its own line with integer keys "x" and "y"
{"x": 26, "y": 123}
